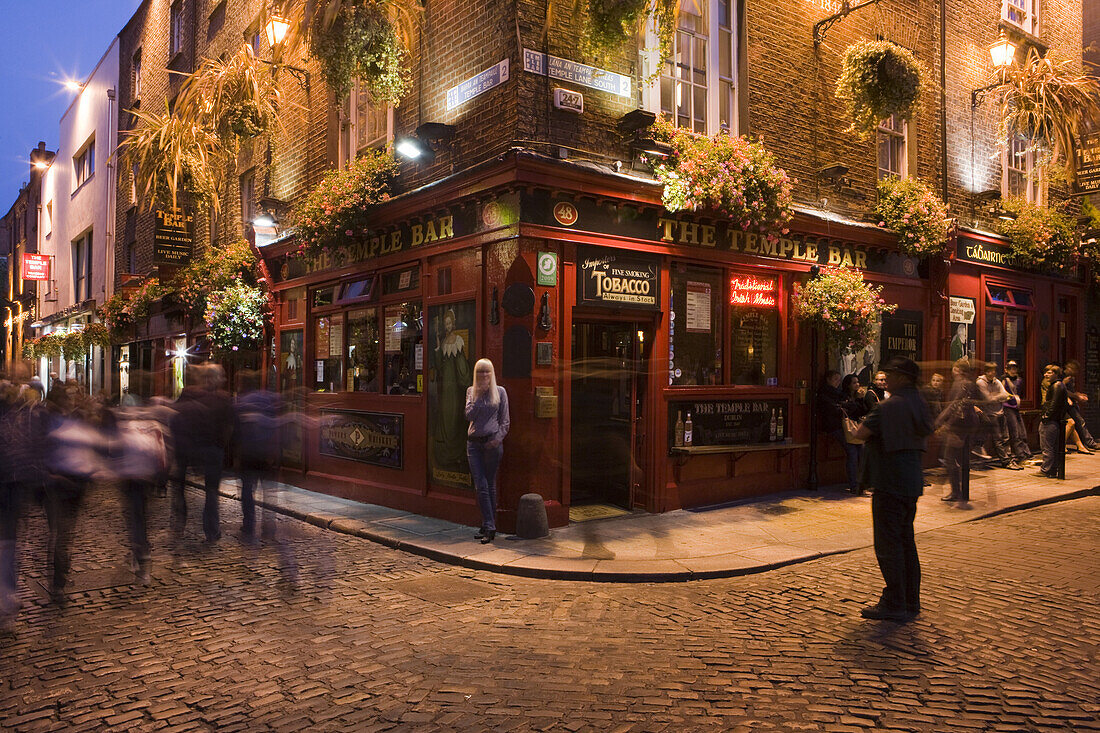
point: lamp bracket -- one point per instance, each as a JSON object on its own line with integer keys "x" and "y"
{"x": 978, "y": 95}
{"x": 300, "y": 75}
{"x": 822, "y": 26}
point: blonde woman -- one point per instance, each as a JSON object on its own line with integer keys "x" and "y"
{"x": 487, "y": 411}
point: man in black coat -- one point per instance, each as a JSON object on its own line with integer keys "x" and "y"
{"x": 896, "y": 432}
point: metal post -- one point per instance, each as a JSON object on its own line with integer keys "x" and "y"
{"x": 1060, "y": 452}
{"x": 812, "y": 479}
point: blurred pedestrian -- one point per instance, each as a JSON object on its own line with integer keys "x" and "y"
{"x": 1080, "y": 433}
{"x": 201, "y": 430}
{"x": 1052, "y": 418}
{"x": 1017, "y": 432}
{"x": 257, "y": 441}
{"x": 994, "y": 395}
{"x": 896, "y": 432}
{"x": 487, "y": 411}
{"x": 959, "y": 420}
{"x": 853, "y": 409}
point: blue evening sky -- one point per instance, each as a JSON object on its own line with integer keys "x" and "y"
{"x": 42, "y": 43}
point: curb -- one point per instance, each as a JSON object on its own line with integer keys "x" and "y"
{"x": 601, "y": 576}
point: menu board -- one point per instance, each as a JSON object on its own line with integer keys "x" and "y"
{"x": 336, "y": 339}
{"x": 730, "y": 422}
{"x": 321, "y": 348}
{"x": 698, "y": 307}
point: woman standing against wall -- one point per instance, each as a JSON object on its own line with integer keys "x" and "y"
{"x": 487, "y": 411}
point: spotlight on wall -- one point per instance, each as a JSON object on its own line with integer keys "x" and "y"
{"x": 836, "y": 175}
{"x": 992, "y": 194}
{"x": 422, "y": 144}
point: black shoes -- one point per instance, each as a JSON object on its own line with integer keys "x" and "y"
{"x": 480, "y": 534}
{"x": 880, "y": 612}
{"x": 950, "y": 497}
{"x": 488, "y": 536}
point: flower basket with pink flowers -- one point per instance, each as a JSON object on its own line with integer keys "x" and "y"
{"x": 910, "y": 207}
{"x": 844, "y": 306}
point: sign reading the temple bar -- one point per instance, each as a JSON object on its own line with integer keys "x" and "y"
{"x": 730, "y": 422}
{"x": 36, "y": 267}
{"x": 368, "y": 437}
{"x": 172, "y": 237}
{"x": 610, "y": 278}
{"x": 985, "y": 253}
{"x": 555, "y": 67}
{"x": 1088, "y": 164}
{"x": 494, "y": 76}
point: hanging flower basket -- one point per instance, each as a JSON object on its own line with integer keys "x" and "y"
{"x": 909, "y": 207}
{"x": 235, "y": 317}
{"x": 96, "y": 334}
{"x": 1042, "y": 238}
{"x": 338, "y": 209}
{"x": 730, "y": 176}
{"x": 114, "y": 315}
{"x": 879, "y": 79}
{"x": 363, "y": 42}
{"x": 73, "y": 346}
{"x": 215, "y": 269}
{"x": 48, "y": 345}
{"x": 844, "y": 306}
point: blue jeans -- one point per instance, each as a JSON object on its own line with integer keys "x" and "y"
{"x": 853, "y": 452}
{"x": 484, "y": 462}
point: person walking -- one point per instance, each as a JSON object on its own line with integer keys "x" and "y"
{"x": 1017, "y": 432}
{"x": 994, "y": 395}
{"x": 896, "y": 433}
{"x": 1052, "y": 418}
{"x": 959, "y": 419}
{"x": 487, "y": 411}
{"x": 257, "y": 441}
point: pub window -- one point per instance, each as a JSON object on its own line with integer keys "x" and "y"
{"x": 696, "y": 326}
{"x": 328, "y": 350}
{"x": 363, "y": 350}
{"x": 1006, "y": 332}
{"x": 401, "y": 280}
{"x": 754, "y": 329}
{"x": 356, "y": 290}
{"x": 1021, "y": 174}
{"x": 403, "y": 329}
{"x": 324, "y": 297}
{"x": 294, "y": 304}
{"x": 365, "y": 124}
{"x": 1023, "y": 14}
{"x": 891, "y": 136}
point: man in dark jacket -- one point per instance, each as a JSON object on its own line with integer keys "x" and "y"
{"x": 1017, "y": 432}
{"x": 1052, "y": 422}
{"x": 896, "y": 432}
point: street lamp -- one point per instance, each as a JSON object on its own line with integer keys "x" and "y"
{"x": 277, "y": 27}
{"x": 1003, "y": 54}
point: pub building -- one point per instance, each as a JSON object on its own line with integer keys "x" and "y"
{"x": 612, "y": 323}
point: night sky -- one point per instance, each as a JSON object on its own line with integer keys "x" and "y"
{"x": 42, "y": 43}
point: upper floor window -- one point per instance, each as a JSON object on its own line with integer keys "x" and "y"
{"x": 175, "y": 31}
{"x": 135, "y": 75}
{"x": 84, "y": 164}
{"x": 892, "y": 137}
{"x": 1023, "y": 14}
{"x": 47, "y": 225}
{"x": 248, "y": 197}
{"x": 134, "y": 172}
{"x": 82, "y": 267}
{"x": 1021, "y": 175}
{"x": 366, "y": 124}
{"x": 698, "y": 84}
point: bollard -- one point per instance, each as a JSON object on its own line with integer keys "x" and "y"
{"x": 531, "y": 522}
{"x": 1060, "y": 452}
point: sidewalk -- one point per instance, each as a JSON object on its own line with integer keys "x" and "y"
{"x": 747, "y": 537}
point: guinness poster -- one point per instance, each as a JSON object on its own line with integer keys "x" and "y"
{"x": 609, "y": 278}
{"x": 367, "y": 437}
{"x": 172, "y": 237}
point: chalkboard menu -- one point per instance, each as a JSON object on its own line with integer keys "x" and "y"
{"x": 730, "y": 422}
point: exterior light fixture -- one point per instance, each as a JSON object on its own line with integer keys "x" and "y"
{"x": 41, "y": 165}
{"x": 412, "y": 148}
{"x": 1003, "y": 52}
{"x": 73, "y": 86}
{"x": 277, "y": 27}
{"x": 419, "y": 146}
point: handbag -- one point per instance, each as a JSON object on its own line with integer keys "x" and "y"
{"x": 851, "y": 427}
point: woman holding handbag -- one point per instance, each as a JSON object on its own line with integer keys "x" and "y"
{"x": 487, "y": 411}
{"x": 854, "y": 409}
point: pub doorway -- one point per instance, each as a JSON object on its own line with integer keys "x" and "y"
{"x": 610, "y": 371}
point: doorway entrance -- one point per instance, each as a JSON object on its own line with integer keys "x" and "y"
{"x": 610, "y": 370}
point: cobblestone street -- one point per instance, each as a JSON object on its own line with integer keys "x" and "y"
{"x": 331, "y": 632}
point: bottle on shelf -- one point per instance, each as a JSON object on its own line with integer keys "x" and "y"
{"x": 772, "y": 426}
{"x": 679, "y": 430}
{"x": 779, "y": 434}
{"x": 687, "y": 431}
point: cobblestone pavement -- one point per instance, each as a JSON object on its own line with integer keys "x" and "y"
{"x": 324, "y": 631}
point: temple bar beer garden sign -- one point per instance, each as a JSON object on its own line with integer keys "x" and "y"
{"x": 172, "y": 237}
{"x": 607, "y": 277}
{"x": 368, "y": 437}
{"x": 1088, "y": 164}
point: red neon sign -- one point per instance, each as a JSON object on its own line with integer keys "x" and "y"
{"x": 36, "y": 267}
{"x": 753, "y": 291}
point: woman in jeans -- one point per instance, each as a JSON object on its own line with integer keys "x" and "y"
{"x": 853, "y": 407}
{"x": 487, "y": 411}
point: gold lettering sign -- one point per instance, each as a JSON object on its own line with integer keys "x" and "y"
{"x": 431, "y": 230}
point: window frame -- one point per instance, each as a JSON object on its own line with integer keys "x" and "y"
{"x": 80, "y": 260}
{"x": 248, "y": 202}
{"x": 175, "y": 29}
{"x": 348, "y": 138}
{"x": 84, "y": 164}
{"x": 897, "y": 134}
{"x": 135, "y": 75}
{"x": 651, "y": 93}
{"x": 1030, "y": 172}
{"x": 1031, "y": 24}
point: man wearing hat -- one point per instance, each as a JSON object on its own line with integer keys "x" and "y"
{"x": 896, "y": 432}
{"x": 1017, "y": 433}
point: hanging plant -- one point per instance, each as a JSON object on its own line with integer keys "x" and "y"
{"x": 138, "y": 302}
{"x": 236, "y": 97}
{"x": 235, "y": 317}
{"x": 96, "y": 334}
{"x": 215, "y": 269}
{"x": 731, "y": 176}
{"x": 909, "y": 207}
{"x": 48, "y": 345}
{"x": 73, "y": 346}
{"x": 844, "y": 306}
{"x": 1041, "y": 238}
{"x": 359, "y": 39}
{"x": 879, "y": 79}
{"x": 338, "y": 209}
{"x": 175, "y": 155}
{"x": 1049, "y": 101}
{"x": 29, "y": 350}
{"x": 113, "y": 313}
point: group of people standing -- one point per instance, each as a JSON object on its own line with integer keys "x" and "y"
{"x": 54, "y": 447}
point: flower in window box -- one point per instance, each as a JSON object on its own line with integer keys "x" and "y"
{"x": 910, "y": 208}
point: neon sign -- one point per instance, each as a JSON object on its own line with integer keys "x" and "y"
{"x": 753, "y": 291}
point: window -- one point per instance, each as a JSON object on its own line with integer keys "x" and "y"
{"x": 134, "y": 183}
{"x": 696, "y": 333}
{"x": 363, "y": 350}
{"x": 135, "y": 75}
{"x": 891, "y": 135}
{"x": 49, "y": 219}
{"x": 248, "y": 197}
{"x": 365, "y": 124}
{"x": 754, "y": 329}
{"x": 82, "y": 268}
{"x": 1021, "y": 175}
{"x": 84, "y": 164}
{"x": 697, "y": 87}
{"x": 1023, "y": 14}
{"x": 1006, "y": 330}
{"x": 404, "y": 329}
{"x": 131, "y": 258}
{"x": 175, "y": 31}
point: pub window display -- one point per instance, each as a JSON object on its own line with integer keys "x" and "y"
{"x": 695, "y": 329}
{"x": 754, "y": 330}
{"x": 404, "y": 348}
{"x": 328, "y": 348}
{"x": 363, "y": 350}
